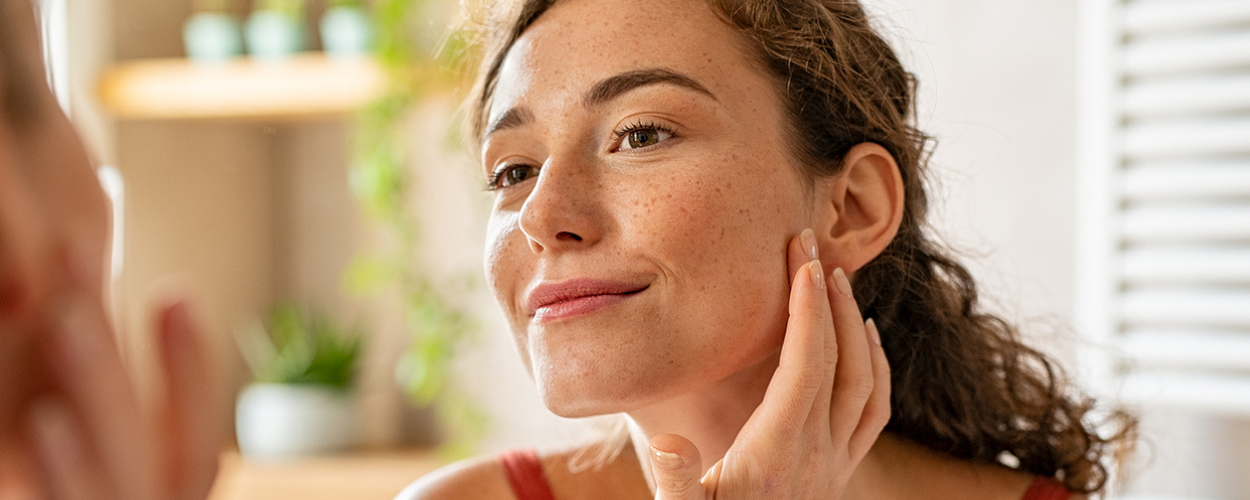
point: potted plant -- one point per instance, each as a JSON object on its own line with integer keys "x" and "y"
{"x": 211, "y": 34}
{"x": 346, "y": 30}
{"x": 275, "y": 30}
{"x": 303, "y": 400}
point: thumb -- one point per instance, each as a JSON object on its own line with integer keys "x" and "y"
{"x": 676, "y": 465}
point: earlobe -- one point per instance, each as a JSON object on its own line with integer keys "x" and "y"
{"x": 862, "y": 207}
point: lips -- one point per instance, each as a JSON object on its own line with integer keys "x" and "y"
{"x": 575, "y": 297}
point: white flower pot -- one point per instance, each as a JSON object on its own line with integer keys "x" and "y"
{"x": 212, "y": 37}
{"x": 285, "y": 420}
{"x": 273, "y": 35}
{"x": 346, "y": 32}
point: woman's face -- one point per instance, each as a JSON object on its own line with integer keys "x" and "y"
{"x": 644, "y": 201}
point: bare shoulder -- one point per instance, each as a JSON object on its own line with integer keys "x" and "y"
{"x": 937, "y": 476}
{"x": 996, "y": 481}
{"x": 478, "y": 478}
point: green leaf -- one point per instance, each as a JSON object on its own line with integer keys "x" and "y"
{"x": 305, "y": 348}
{"x": 368, "y": 275}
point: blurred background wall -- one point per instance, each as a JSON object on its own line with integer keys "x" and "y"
{"x": 250, "y": 212}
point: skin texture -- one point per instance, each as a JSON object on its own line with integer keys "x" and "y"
{"x": 739, "y": 348}
{"x": 71, "y": 426}
{"x": 702, "y": 218}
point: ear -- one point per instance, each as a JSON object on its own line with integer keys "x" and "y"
{"x": 860, "y": 209}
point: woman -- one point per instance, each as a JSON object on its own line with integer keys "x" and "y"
{"x": 695, "y": 206}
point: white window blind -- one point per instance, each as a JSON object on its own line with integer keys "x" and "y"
{"x": 1165, "y": 201}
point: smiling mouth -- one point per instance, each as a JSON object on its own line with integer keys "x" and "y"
{"x": 573, "y": 298}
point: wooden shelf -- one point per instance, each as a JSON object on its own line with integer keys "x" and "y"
{"x": 306, "y": 85}
{"x": 378, "y": 475}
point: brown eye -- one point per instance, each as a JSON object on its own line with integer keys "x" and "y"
{"x": 642, "y": 137}
{"x": 512, "y": 175}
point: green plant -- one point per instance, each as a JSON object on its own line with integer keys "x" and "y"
{"x": 347, "y": 3}
{"x": 383, "y": 183}
{"x": 299, "y": 346}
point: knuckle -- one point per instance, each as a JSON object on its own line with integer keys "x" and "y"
{"x": 861, "y": 385}
{"x": 679, "y": 485}
{"x": 809, "y": 381}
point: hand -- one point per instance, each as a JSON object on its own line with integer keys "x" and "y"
{"x": 53, "y": 214}
{"x": 92, "y": 438}
{"x": 824, "y": 408}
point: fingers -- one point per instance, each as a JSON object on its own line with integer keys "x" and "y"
{"x": 89, "y": 370}
{"x": 676, "y": 467}
{"x": 193, "y": 411}
{"x": 808, "y": 356}
{"x": 877, "y": 410}
{"x": 800, "y": 251}
{"x": 68, "y": 470}
{"x": 23, "y": 237}
{"x": 853, "y": 380}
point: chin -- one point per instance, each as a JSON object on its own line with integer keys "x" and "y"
{"x": 578, "y": 408}
{"x": 580, "y": 397}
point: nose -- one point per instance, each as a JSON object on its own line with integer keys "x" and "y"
{"x": 564, "y": 211}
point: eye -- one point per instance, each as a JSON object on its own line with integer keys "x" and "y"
{"x": 640, "y": 136}
{"x": 510, "y": 175}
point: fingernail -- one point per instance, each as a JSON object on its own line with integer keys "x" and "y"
{"x": 666, "y": 460}
{"x": 871, "y": 326}
{"x": 818, "y": 273}
{"x": 844, "y": 285}
{"x": 808, "y": 239}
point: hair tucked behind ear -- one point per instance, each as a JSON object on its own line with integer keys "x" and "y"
{"x": 963, "y": 382}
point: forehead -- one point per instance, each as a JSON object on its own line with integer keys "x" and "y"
{"x": 580, "y": 42}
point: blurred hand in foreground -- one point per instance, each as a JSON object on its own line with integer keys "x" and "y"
{"x": 70, "y": 419}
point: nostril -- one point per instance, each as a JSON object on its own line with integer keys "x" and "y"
{"x": 566, "y": 236}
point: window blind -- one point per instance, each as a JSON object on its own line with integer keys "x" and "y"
{"x": 1165, "y": 252}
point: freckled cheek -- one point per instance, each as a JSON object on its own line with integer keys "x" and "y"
{"x": 708, "y": 236}
{"x": 509, "y": 263}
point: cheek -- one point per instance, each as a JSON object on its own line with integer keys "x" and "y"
{"x": 721, "y": 242}
{"x": 508, "y": 268}
{"x": 713, "y": 230}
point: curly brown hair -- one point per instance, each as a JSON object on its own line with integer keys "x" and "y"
{"x": 963, "y": 382}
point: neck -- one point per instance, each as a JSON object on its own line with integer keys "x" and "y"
{"x": 709, "y": 417}
{"x": 712, "y": 417}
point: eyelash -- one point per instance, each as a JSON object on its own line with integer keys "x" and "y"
{"x": 492, "y": 184}
{"x": 640, "y": 125}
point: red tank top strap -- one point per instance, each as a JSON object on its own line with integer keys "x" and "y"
{"x": 525, "y": 473}
{"x": 1045, "y": 488}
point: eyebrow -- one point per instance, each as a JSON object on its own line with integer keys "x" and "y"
{"x": 606, "y": 90}
{"x": 612, "y": 87}
{"x": 513, "y": 118}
